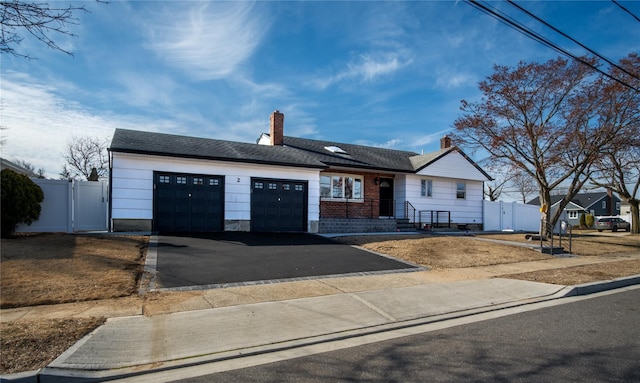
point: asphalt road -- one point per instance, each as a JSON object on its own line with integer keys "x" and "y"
{"x": 591, "y": 340}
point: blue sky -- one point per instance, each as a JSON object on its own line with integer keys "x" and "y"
{"x": 381, "y": 73}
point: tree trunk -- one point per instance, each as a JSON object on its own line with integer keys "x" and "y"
{"x": 635, "y": 216}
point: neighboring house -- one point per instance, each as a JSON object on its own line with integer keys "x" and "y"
{"x": 597, "y": 204}
{"x": 166, "y": 182}
{"x": 6, "y": 164}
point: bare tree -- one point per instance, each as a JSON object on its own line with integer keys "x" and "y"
{"x": 37, "y": 19}
{"x": 524, "y": 184}
{"x": 493, "y": 189}
{"x": 618, "y": 167}
{"x": 540, "y": 119}
{"x": 84, "y": 154}
{"x": 29, "y": 166}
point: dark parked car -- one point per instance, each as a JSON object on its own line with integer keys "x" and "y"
{"x": 613, "y": 224}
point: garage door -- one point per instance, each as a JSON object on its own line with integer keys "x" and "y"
{"x": 188, "y": 202}
{"x": 278, "y": 205}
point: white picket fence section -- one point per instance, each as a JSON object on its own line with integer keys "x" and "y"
{"x": 510, "y": 216}
{"x": 70, "y": 206}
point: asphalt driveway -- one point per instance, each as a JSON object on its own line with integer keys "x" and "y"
{"x": 240, "y": 257}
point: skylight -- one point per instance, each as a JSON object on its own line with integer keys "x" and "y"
{"x": 335, "y": 149}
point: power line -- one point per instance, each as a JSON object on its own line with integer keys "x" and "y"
{"x": 626, "y": 10}
{"x": 536, "y": 37}
{"x": 511, "y": 2}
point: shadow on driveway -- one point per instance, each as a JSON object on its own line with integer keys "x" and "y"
{"x": 240, "y": 257}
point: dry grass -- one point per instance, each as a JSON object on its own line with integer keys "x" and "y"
{"x": 60, "y": 268}
{"x": 453, "y": 252}
{"x": 583, "y": 242}
{"x": 582, "y": 274}
{"x": 29, "y": 345}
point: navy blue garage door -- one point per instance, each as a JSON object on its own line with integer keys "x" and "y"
{"x": 188, "y": 202}
{"x": 278, "y": 205}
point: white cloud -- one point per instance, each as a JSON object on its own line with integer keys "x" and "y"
{"x": 207, "y": 40}
{"x": 38, "y": 121}
{"x": 364, "y": 69}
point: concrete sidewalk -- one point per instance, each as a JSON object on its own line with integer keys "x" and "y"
{"x": 134, "y": 345}
{"x": 138, "y": 344}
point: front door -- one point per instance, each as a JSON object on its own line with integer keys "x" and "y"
{"x": 386, "y": 197}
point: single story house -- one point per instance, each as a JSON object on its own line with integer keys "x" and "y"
{"x": 597, "y": 204}
{"x": 165, "y": 182}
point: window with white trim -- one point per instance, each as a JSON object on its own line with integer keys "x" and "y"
{"x": 461, "y": 190}
{"x": 573, "y": 214}
{"x": 426, "y": 188}
{"x": 341, "y": 187}
{"x": 604, "y": 204}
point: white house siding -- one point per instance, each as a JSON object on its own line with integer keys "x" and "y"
{"x": 463, "y": 211}
{"x": 453, "y": 165}
{"x": 132, "y": 185}
{"x": 444, "y": 173}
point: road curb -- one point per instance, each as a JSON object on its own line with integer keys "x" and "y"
{"x": 596, "y": 287}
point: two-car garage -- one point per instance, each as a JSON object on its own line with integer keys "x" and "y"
{"x": 196, "y": 203}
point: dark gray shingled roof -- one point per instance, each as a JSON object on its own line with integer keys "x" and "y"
{"x": 358, "y": 156}
{"x": 300, "y": 152}
{"x": 133, "y": 141}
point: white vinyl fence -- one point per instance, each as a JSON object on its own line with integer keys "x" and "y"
{"x": 70, "y": 206}
{"x": 510, "y": 216}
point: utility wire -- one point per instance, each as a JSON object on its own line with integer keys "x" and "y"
{"x": 613, "y": 64}
{"x": 515, "y": 25}
{"x": 626, "y": 10}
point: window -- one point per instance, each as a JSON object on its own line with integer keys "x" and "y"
{"x": 604, "y": 204}
{"x": 618, "y": 207}
{"x": 198, "y": 181}
{"x": 299, "y": 187}
{"x": 573, "y": 214}
{"x": 461, "y": 190}
{"x": 273, "y": 186}
{"x": 181, "y": 180}
{"x": 286, "y": 187}
{"x": 165, "y": 179}
{"x": 214, "y": 182}
{"x": 341, "y": 187}
{"x": 426, "y": 188}
{"x": 258, "y": 185}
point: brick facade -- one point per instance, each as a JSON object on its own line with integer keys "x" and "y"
{"x": 367, "y": 208}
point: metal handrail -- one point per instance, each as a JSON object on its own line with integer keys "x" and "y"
{"x": 431, "y": 215}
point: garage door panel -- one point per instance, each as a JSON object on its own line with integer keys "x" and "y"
{"x": 278, "y": 205}
{"x": 188, "y": 202}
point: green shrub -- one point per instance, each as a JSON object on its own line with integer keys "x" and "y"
{"x": 583, "y": 221}
{"x": 590, "y": 220}
{"x": 21, "y": 200}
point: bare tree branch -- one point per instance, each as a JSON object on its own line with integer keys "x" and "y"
{"x": 38, "y": 19}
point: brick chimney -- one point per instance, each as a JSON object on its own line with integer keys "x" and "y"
{"x": 445, "y": 142}
{"x": 276, "y": 131}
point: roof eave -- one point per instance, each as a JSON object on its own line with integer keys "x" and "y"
{"x": 222, "y": 159}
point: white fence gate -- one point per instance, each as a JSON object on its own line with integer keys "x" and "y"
{"x": 503, "y": 216}
{"x": 70, "y": 206}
